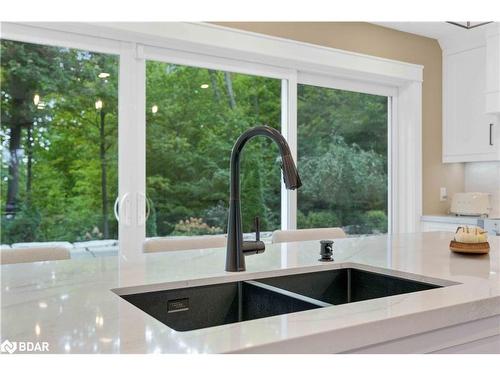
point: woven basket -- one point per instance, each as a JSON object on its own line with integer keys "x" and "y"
{"x": 470, "y": 248}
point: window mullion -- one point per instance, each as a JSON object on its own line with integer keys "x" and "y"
{"x": 132, "y": 150}
{"x": 289, "y": 130}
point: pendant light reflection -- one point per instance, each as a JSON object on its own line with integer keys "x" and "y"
{"x": 154, "y": 108}
{"x": 98, "y": 104}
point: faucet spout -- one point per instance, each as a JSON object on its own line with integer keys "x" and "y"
{"x": 236, "y": 247}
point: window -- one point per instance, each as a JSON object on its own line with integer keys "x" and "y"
{"x": 194, "y": 116}
{"x": 342, "y": 159}
{"x": 52, "y": 179}
{"x": 59, "y": 143}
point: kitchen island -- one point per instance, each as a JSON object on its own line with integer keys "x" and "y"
{"x": 74, "y": 304}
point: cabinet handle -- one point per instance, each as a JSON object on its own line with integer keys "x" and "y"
{"x": 491, "y": 134}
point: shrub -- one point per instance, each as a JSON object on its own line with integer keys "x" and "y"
{"x": 23, "y": 227}
{"x": 318, "y": 219}
{"x": 216, "y": 216}
{"x": 375, "y": 222}
{"x": 94, "y": 234}
{"x": 194, "y": 227}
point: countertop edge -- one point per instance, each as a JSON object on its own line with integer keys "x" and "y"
{"x": 358, "y": 336}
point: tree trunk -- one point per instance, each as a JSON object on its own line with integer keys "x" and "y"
{"x": 29, "y": 166}
{"x": 14, "y": 151}
{"x": 104, "y": 187}
{"x": 215, "y": 87}
{"x": 229, "y": 88}
{"x": 256, "y": 106}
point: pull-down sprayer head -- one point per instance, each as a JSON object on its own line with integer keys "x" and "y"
{"x": 290, "y": 174}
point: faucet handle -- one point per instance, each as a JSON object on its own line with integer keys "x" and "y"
{"x": 257, "y": 246}
{"x": 256, "y": 223}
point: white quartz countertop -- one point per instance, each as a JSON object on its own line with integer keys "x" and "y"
{"x": 71, "y": 305}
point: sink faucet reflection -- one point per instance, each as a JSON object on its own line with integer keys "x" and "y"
{"x": 236, "y": 247}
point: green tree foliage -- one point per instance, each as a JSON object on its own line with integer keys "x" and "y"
{"x": 342, "y": 152}
{"x": 65, "y": 180}
{"x": 63, "y": 191}
{"x": 189, "y": 141}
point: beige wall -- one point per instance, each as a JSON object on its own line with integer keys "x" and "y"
{"x": 380, "y": 41}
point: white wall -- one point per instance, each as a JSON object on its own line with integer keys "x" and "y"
{"x": 484, "y": 177}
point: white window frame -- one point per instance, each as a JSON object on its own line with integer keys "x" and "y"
{"x": 288, "y": 101}
{"x": 346, "y": 84}
{"x": 244, "y": 52}
{"x": 131, "y": 148}
{"x": 372, "y": 89}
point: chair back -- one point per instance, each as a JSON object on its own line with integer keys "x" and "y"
{"x": 33, "y": 254}
{"x": 160, "y": 244}
{"x": 307, "y": 234}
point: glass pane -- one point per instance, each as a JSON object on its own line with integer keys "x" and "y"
{"x": 194, "y": 116}
{"x": 342, "y": 159}
{"x": 59, "y": 144}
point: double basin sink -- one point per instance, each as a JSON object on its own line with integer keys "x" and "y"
{"x": 192, "y": 308}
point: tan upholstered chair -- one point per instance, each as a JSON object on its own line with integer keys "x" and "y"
{"x": 33, "y": 254}
{"x": 64, "y": 244}
{"x": 159, "y": 244}
{"x": 307, "y": 234}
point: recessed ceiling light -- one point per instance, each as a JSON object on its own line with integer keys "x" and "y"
{"x": 205, "y": 86}
{"x": 468, "y": 24}
{"x": 103, "y": 75}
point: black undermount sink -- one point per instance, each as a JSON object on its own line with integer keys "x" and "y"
{"x": 347, "y": 285}
{"x": 205, "y": 306}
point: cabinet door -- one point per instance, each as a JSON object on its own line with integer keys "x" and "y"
{"x": 430, "y": 226}
{"x": 466, "y": 126}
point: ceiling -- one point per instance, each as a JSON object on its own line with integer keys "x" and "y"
{"x": 434, "y": 30}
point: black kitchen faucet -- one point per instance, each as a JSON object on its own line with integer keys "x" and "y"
{"x": 236, "y": 247}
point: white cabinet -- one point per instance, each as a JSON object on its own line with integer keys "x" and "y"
{"x": 448, "y": 223}
{"x": 492, "y": 226}
{"x": 438, "y": 227}
{"x": 493, "y": 71}
{"x": 469, "y": 133}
